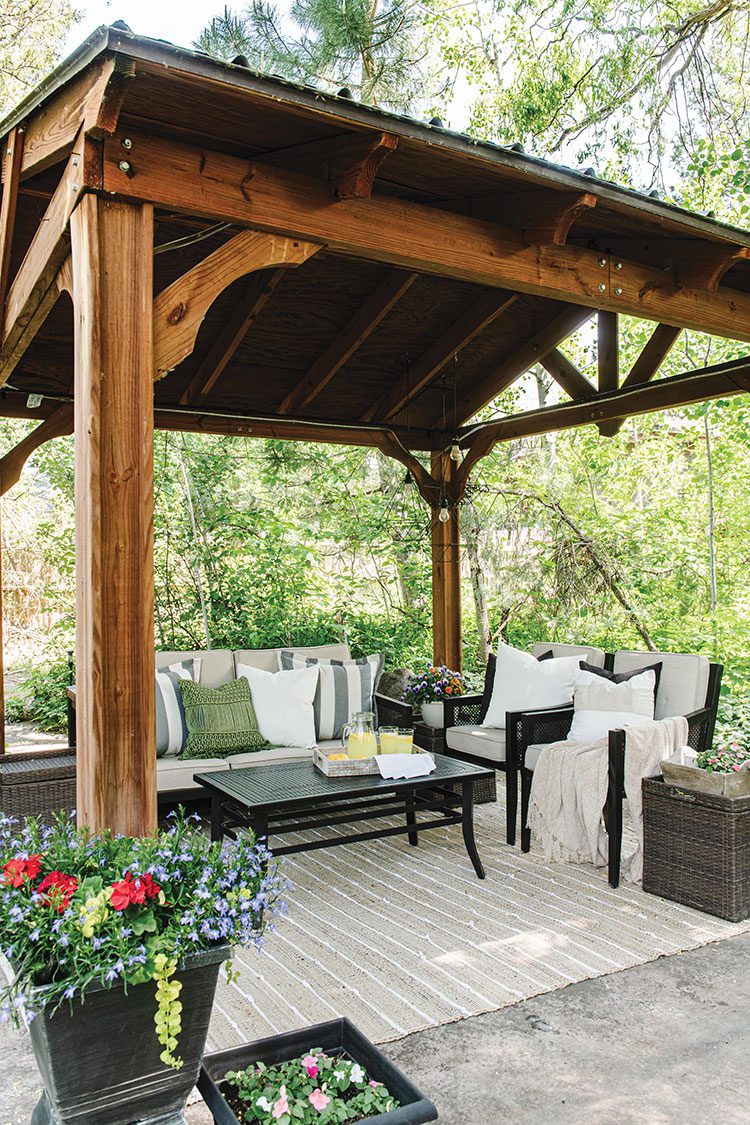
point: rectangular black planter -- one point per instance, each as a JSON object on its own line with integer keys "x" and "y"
{"x": 335, "y": 1035}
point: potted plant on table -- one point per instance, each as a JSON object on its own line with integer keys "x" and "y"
{"x": 429, "y": 689}
{"x": 115, "y": 945}
{"x": 723, "y": 770}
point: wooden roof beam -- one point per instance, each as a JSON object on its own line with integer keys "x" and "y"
{"x": 12, "y": 463}
{"x": 567, "y": 375}
{"x": 652, "y": 356}
{"x": 180, "y": 309}
{"x": 342, "y": 348}
{"x": 706, "y": 270}
{"x": 502, "y": 375}
{"x": 91, "y": 101}
{"x": 460, "y": 333}
{"x": 411, "y": 235}
{"x": 246, "y": 311}
{"x": 349, "y": 163}
{"x": 719, "y": 381}
{"x": 33, "y": 291}
{"x": 11, "y": 179}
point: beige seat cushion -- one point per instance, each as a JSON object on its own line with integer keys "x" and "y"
{"x": 217, "y": 664}
{"x": 591, "y": 655}
{"x": 268, "y": 658}
{"x": 482, "y": 742}
{"x": 275, "y": 754}
{"x": 683, "y": 682}
{"x": 177, "y": 773}
{"x": 532, "y": 754}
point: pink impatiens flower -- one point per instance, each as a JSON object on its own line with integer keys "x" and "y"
{"x": 319, "y": 1100}
{"x": 310, "y": 1064}
{"x": 282, "y": 1105}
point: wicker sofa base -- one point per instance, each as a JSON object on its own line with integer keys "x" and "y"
{"x": 696, "y": 849}
{"x": 37, "y": 783}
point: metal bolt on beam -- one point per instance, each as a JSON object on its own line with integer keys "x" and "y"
{"x": 126, "y": 143}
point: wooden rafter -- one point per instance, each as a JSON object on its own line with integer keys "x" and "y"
{"x": 411, "y": 235}
{"x": 349, "y": 163}
{"x": 284, "y": 429}
{"x": 33, "y": 291}
{"x": 11, "y": 178}
{"x": 12, "y": 463}
{"x": 179, "y": 310}
{"x": 649, "y": 361}
{"x": 567, "y": 375}
{"x": 91, "y": 102}
{"x": 363, "y": 324}
{"x": 460, "y": 333}
{"x": 718, "y": 381}
{"x": 502, "y": 375}
{"x": 245, "y": 312}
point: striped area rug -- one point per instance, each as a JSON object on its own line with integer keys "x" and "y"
{"x": 401, "y": 939}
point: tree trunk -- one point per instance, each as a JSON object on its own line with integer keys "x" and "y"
{"x": 471, "y": 532}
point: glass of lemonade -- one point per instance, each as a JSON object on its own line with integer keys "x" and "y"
{"x": 405, "y": 740}
{"x": 389, "y": 743}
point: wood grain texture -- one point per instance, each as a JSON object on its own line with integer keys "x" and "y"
{"x": 608, "y": 362}
{"x": 2, "y": 646}
{"x": 457, "y": 336}
{"x": 446, "y": 574}
{"x": 549, "y": 221}
{"x": 11, "y": 179}
{"x": 33, "y": 291}
{"x": 247, "y": 309}
{"x": 567, "y": 375}
{"x": 410, "y": 235}
{"x": 349, "y": 163}
{"x": 112, "y": 246}
{"x": 179, "y": 309}
{"x": 364, "y": 322}
{"x": 655, "y": 351}
{"x": 12, "y": 462}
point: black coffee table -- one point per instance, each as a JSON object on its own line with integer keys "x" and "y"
{"x": 295, "y": 796}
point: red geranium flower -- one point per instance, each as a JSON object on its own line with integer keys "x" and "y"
{"x": 129, "y": 891}
{"x": 16, "y": 871}
{"x": 58, "y": 889}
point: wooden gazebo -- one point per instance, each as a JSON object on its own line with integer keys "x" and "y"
{"x": 189, "y": 245}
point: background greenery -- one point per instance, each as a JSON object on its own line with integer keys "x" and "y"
{"x": 636, "y": 540}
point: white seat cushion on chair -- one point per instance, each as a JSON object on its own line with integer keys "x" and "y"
{"x": 481, "y": 742}
{"x": 591, "y": 655}
{"x": 177, "y": 773}
{"x": 683, "y": 682}
{"x": 532, "y": 754}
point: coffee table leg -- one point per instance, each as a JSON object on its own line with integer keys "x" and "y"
{"x": 217, "y": 832}
{"x": 467, "y": 824}
{"x": 411, "y": 819}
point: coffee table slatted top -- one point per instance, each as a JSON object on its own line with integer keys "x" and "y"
{"x": 286, "y": 783}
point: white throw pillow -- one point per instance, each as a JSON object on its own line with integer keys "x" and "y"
{"x": 636, "y": 696}
{"x": 283, "y": 703}
{"x": 591, "y": 726}
{"x": 523, "y": 683}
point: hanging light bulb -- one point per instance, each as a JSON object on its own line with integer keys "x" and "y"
{"x": 444, "y": 515}
{"x": 456, "y": 453}
{"x": 408, "y": 482}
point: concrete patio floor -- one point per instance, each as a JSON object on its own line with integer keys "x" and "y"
{"x": 660, "y": 1043}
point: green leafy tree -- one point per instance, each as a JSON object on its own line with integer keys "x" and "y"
{"x": 32, "y": 34}
{"x": 370, "y": 46}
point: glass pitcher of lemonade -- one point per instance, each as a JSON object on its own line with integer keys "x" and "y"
{"x": 359, "y": 736}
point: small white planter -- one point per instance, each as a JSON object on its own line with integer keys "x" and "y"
{"x": 432, "y": 714}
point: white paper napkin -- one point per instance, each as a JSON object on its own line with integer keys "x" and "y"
{"x": 405, "y": 765}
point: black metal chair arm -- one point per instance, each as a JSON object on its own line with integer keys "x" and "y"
{"x": 393, "y": 712}
{"x": 700, "y": 728}
{"x": 463, "y": 711}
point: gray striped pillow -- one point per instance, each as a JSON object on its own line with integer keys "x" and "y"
{"x": 344, "y": 686}
{"x": 171, "y": 728}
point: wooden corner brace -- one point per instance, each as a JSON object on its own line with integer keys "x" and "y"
{"x": 179, "y": 310}
{"x": 11, "y": 465}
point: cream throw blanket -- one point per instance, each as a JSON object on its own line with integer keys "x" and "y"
{"x": 569, "y": 791}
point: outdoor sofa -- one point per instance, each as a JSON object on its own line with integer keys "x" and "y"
{"x": 219, "y": 666}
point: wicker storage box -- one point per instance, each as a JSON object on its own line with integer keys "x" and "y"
{"x": 37, "y": 783}
{"x": 696, "y": 849}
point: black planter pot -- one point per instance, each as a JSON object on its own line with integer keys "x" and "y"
{"x": 336, "y": 1035}
{"x": 100, "y": 1062}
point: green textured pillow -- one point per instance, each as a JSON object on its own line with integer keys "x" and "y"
{"x": 220, "y": 721}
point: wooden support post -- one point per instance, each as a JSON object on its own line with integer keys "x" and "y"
{"x": 2, "y": 654}
{"x": 608, "y": 361}
{"x": 446, "y": 572}
{"x": 112, "y": 245}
